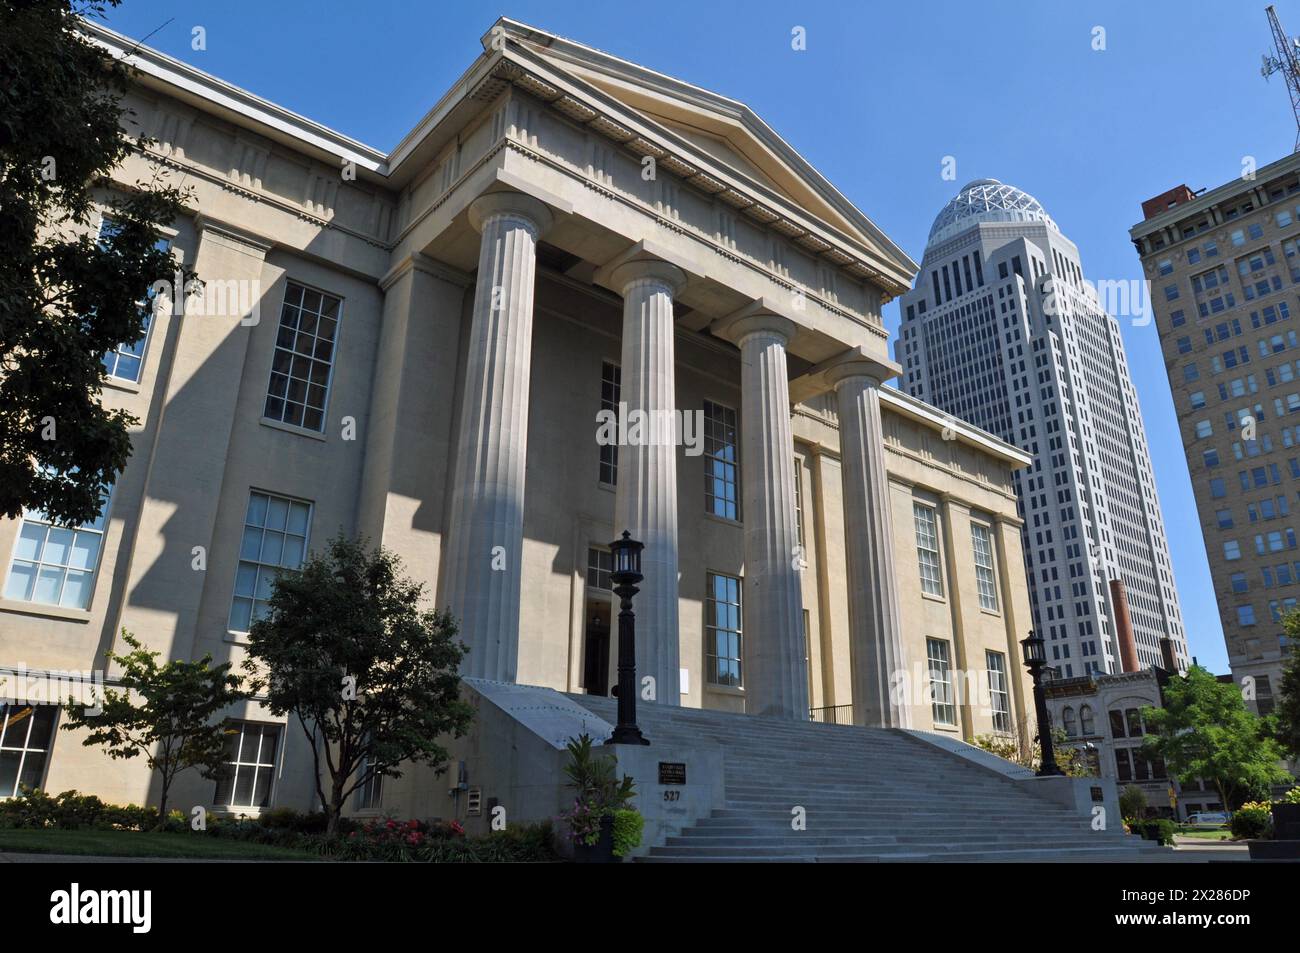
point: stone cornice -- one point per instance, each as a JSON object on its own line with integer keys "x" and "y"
{"x": 591, "y": 109}
{"x": 514, "y": 65}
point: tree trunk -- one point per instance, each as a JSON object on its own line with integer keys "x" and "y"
{"x": 162, "y": 807}
{"x": 334, "y": 809}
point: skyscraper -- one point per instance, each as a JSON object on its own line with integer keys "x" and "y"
{"x": 1225, "y": 265}
{"x": 1002, "y": 331}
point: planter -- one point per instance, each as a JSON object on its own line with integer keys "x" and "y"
{"x": 1276, "y": 850}
{"x": 1286, "y": 821}
{"x": 601, "y": 852}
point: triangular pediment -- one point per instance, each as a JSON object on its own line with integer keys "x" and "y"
{"x": 722, "y": 131}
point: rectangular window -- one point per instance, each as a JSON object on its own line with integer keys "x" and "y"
{"x": 275, "y": 538}
{"x": 600, "y": 563}
{"x": 999, "y": 698}
{"x": 1123, "y": 767}
{"x": 245, "y": 778}
{"x": 723, "y": 633}
{"x": 56, "y": 565}
{"x": 940, "y": 675}
{"x": 721, "y": 461}
{"x": 369, "y": 794}
{"x": 126, "y": 361}
{"x": 610, "y": 388}
{"x": 304, "y": 358}
{"x": 927, "y": 548}
{"x": 26, "y": 736}
{"x": 985, "y": 575}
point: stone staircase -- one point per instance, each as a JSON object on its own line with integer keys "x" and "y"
{"x": 869, "y": 795}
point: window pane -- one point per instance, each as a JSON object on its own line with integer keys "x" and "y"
{"x": 85, "y": 551}
{"x": 31, "y": 539}
{"x": 19, "y": 584}
{"x": 49, "y": 581}
{"x": 76, "y": 590}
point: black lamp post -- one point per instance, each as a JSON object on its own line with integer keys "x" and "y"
{"x": 626, "y": 574}
{"x": 1035, "y": 650}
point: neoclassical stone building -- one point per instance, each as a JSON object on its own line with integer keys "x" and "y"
{"x": 416, "y": 345}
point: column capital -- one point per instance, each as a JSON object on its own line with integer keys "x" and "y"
{"x": 1004, "y": 519}
{"x": 757, "y": 317}
{"x": 876, "y": 372}
{"x": 516, "y": 204}
{"x": 647, "y": 269}
{"x": 855, "y": 362}
{"x": 642, "y": 260}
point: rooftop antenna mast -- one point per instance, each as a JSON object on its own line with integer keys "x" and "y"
{"x": 1286, "y": 62}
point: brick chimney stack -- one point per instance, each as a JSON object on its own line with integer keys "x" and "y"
{"x": 1128, "y": 653}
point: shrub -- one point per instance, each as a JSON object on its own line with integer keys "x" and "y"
{"x": 72, "y": 811}
{"x": 1161, "y": 830}
{"x": 380, "y": 840}
{"x": 628, "y": 827}
{"x": 287, "y": 819}
{"x": 1251, "y": 821}
{"x": 129, "y": 817}
{"x": 1290, "y": 797}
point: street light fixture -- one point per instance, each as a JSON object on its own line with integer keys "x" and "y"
{"x": 1035, "y": 652}
{"x": 626, "y": 574}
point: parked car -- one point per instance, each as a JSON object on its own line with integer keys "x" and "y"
{"x": 1208, "y": 818}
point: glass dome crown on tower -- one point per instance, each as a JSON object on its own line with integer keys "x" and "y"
{"x": 986, "y": 200}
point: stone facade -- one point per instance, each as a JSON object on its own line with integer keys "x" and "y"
{"x": 426, "y": 341}
{"x": 1102, "y": 714}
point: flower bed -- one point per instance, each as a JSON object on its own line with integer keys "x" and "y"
{"x": 377, "y": 840}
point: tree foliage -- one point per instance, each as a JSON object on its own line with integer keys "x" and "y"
{"x": 67, "y": 296}
{"x": 1287, "y": 712}
{"x": 1205, "y": 731}
{"x": 167, "y": 713}
{"x": 370, "y": 676}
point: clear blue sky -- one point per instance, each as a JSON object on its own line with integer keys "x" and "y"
{"x": 1012, "y": 90}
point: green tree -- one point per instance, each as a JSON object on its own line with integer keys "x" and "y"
{"x": 171, "y": 719}
{"x": 1205, "y": 731}
{"x": 67, "y": 296}
{"x": 371, "y": 678}
{"x": 1287, "y": 713}
{"x": 1132, "y": 802}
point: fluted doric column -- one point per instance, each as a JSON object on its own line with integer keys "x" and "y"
{"x": 485, "y": 530}
{"x": 646, "y": 495}
{"x": 776, "y": 676}
{"x": 876, "y": 651}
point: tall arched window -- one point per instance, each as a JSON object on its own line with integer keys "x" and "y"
{"x": 1071, "y": 725}
{"x": 1086, "y": 722}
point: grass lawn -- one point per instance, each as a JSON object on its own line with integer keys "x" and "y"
{"x": 1205, "y": 833}
{"x": 136, "y": 844}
